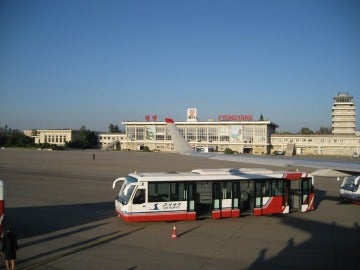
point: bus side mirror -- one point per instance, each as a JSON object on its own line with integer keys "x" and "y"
{"x": 117, "y": 180}
{"x": 357, "y": 179}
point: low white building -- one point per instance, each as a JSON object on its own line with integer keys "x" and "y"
{"x": 328, "y": 145}
{"x": 111, "y": 141}
{"x": 52, "y": 136}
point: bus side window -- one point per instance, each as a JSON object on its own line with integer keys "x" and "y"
{"x": 139, "y": 197}
{"x": 226, "y": 190}
{"x": 266, "y": 189}
{"x": 276, "y": 188}
{"x": 177, "y": 192}
{"x": 159, "y": 192}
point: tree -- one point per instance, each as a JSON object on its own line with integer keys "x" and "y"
{"x": 324, "y": 130}
{"x": 9, "y": 137}
{"x": 86, "y": 139}
{"x": 306, "y": 131}
{"x": 114, "y": 128}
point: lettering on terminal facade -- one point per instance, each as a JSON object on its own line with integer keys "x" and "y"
{"x": 235, "y": 117}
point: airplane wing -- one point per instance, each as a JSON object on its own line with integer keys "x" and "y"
{"x": 327, "y": 168}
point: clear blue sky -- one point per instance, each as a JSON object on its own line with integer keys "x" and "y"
{"x": 68, "y": 63}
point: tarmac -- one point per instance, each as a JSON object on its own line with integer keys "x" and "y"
{"x": 61, "y": 204}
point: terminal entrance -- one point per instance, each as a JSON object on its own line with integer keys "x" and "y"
{"x": 247, "y": 150}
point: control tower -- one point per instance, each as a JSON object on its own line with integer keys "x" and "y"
{"x": 343, "y": 115}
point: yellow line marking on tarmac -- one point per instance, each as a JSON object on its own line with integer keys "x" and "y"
{"x": 92, "y": 244}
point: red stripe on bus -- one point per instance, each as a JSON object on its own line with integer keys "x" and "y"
{"x": 235, "y": 213}
{"x": 216, "y": 214}
{"x": 158, "y": 216}
{"x": 311, "y": 202}
{"x": 226, "y": 213}
{"x": 273, "y": 206}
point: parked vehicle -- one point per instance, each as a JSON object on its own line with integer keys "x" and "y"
{"x": 216, "y": 193}
{"x": 279, "y": 152}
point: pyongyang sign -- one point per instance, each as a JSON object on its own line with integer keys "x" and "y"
{"x": 235, "y": 117}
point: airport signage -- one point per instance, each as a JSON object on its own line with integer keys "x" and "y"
{"x": 235, "y": 117}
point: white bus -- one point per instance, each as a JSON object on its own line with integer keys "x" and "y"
{"x": 216, "y": 193}
{"x": 350, "y": 189}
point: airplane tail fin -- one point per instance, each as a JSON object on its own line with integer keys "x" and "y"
{"x": 180, "y": 144}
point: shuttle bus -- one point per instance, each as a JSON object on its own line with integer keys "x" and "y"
{"x": 350, "y": 189}
{"x": 215, "y": 193}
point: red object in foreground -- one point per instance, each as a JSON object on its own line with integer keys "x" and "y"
{"x": 174, "y": 234}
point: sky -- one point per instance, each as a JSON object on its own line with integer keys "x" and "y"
{"x": 92, "y": 63}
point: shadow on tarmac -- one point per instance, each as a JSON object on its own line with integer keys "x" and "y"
{"x": 321, "y": 195}
{"x": 79, "y": 246}
{"x": 61, "y": 235}
{"x": 40, "y": 220}
{"x": 330, "y": 247}
{"x": 188, "y": 231}
{"x": 36, "y": 222}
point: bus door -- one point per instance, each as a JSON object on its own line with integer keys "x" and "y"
{"x": 226, "y": 199}
{"x": 307, "y": 195}
{"x": 216, "y": 199}
{"x": 203, "y": 199}
{"x": 263, "y": 199}
{"x": 222, "y": 199}
{"x": 292, "y": 195}
{"x": 190, "y": 195}
{"x": 299, "y": 192}
{"x": 258, "y": 197}
{"x": 235, "y": 199}
{"x": 246, "y": 203}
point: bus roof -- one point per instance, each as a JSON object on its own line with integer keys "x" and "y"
{"x": 211, "y": 174}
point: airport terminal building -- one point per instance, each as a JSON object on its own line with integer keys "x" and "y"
{"x": 240, "y": 133}
{"x": 254, "y": 137}
{"x": 244, "y": 134}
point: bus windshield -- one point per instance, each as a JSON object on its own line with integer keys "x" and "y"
{"x": 351, "y": 183}
{"x": 126, "y": 189}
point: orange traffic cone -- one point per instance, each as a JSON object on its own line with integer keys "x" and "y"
{"x": 174, "y": 234}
